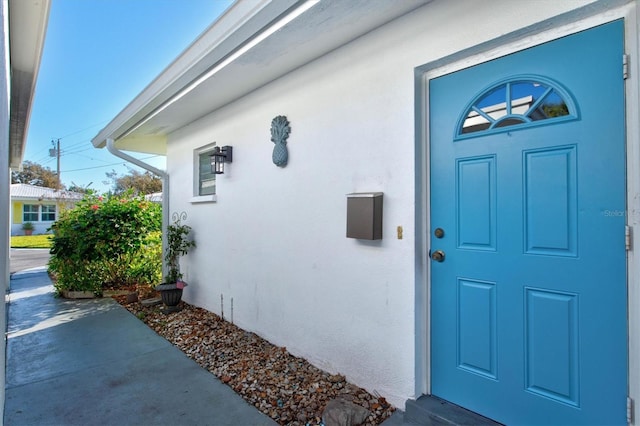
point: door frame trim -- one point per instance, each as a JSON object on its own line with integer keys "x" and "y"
{"x": 554, "y": 28}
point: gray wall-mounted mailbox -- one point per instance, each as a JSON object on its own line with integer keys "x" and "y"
{"x": 364, "y": 215}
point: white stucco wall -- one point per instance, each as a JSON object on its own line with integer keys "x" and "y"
{"x": 38, "y": 228}
{"x": 274, "y": 241}
{"x": 5, "y": 183}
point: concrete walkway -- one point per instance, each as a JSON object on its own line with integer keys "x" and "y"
{"x": 91, "y": 362}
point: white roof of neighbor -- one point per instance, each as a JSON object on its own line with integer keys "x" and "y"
{"x": 23, "y": 191}
{"x": 155, "y": 197}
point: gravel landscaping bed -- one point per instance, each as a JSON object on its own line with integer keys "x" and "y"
{"x": 288, "y": 389}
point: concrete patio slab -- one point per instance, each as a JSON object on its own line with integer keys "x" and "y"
{"x": 90, "y": 362}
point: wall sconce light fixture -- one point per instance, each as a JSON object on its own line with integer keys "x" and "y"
{"x": 219, "y": 157}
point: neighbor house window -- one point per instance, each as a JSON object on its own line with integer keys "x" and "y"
{"x": 48, "y": 213}
{"x": 30, "y": 213}
{"x": 36, "y": 213}
{"x": 206, "y": 179}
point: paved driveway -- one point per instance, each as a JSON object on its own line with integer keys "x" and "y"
{"x": 21, "y": 259}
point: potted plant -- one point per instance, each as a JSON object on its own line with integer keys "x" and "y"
{"x": 27, "y": 227}
{"x": 178, "y": 244}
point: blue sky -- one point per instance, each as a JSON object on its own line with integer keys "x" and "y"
{"x": 98, "y": 56}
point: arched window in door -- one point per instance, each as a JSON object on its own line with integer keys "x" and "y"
{"x": 515, "y": 103}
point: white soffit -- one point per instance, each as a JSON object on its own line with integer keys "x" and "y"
{"x": 27, "y": 27}
{"x": 325, "y": 26}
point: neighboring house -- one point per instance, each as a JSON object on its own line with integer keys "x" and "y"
{"x": 155, "y": 197}
{"x": 38, "y": 205}
{"x": 492, "y": 147}
{"x": 23, "y": 26}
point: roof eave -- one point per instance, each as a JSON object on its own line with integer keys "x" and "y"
{"x": 245, "y": 49}
{"x": 27, "y": 28}
{"x": 239, "y": 23}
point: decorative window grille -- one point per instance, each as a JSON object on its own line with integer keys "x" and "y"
{"x": 519, "y": 102}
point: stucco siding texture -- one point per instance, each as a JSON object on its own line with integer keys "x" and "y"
{"x": 272, "y": 251}
{"x": 4, "y": 182}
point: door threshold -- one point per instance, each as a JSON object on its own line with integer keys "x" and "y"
{"x": 431, "y": 410}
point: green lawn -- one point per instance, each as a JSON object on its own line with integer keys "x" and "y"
{"x": 32, "y": 241}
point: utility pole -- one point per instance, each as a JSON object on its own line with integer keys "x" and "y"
{"x": 55, "y": 152}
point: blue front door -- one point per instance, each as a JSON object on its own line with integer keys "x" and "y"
{"x": 527, "y": 237}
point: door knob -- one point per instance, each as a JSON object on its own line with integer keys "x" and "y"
{"x": 438, "y": 256}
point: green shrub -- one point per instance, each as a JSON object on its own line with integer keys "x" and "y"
{"x": 106, "y": 241}
{"x": 146, "y": 268}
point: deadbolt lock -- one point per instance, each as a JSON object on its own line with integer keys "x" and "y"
{"x": 438, "y": 256}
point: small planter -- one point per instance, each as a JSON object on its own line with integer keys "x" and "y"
{"x": 28, "y": 228}
{"x": 171, "y": 295}
{"x": 177, "y": 245}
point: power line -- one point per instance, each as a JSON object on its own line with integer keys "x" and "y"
{"x": 83, "y": 143}
{"x": 86, "y": 128}
{"x": 74, "y": 151}
{"x": 106, "y": 165}
{"x": 95, "y": 167}
{"x": 43, "y": 161}
{"x": 48, "y": 159}
{"x": 75, "y": 132}
{"x": 90, "y": 158}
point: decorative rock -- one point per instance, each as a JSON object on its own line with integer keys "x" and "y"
{"x": 266, "y": 376}
{"x": 151, "y": 302}
{"x": 339, "y": 412}
{"x": 336, "y": 378}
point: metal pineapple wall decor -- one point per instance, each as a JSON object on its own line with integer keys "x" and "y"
{"x": 279, "y": 133}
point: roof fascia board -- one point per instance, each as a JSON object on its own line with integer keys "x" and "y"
{"x": 6, "y": 59}
{"x": 239, "y": 24}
